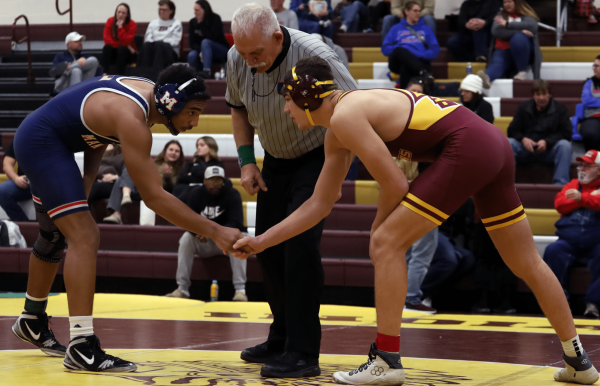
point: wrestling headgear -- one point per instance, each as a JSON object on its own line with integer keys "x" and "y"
{"x": 170, "y": 99}
{"x": 307, "y": 92}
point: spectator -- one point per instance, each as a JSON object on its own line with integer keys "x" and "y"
{"x": 15, "y": 189}
{"x": 516, "y": 43}
{"x": 378, "y": 12}
{"x": 310, "y": 23}
{"x": 162, "y": 41}
{"x": 111, "y": 167}
{"x": 207, "y": 39}
{"x": 410, "y": 46}
{"x": 398, "y": 6}
{"x": 286, "y": 17}
{"x": 218, "y": 201}
{"x": 475, "y": 22}
{"x": 72, "y": 66}
{"x": 590, "y": 126}
{"x": 119, "y": 46}
{"x": 416, "y": 84}
{"x": 471, "y": 96}
{"x": 192, "y": 173}
{"x": 168, "y": 162}
{"x": 341, "y": 53}
{"x": 351, "y": 11}
{"x": 578, "y": 228}
{"x": 541, "y": 131}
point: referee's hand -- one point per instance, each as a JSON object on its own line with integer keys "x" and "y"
{"x": 252, "y": 180}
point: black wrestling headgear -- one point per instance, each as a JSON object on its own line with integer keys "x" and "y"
{"x": 307, "y": 92}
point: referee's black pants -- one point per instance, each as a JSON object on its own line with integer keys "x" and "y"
{"x": 292, "y": 271}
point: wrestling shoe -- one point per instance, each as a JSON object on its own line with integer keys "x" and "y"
{"x": 577, "y": 370}
{"x": 383, "y": 368}
{"x": 85, "y": 353}
{"x": 35, "y": 329}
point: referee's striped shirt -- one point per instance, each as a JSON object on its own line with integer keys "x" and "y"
{"x": 278, "y": 135}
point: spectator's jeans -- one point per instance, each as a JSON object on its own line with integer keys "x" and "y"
{"x": 466, "y": 46}
{"x": 418, "y": 259}
{"x": 560, "y": 155}
{"x": 518, "y": 55}
{"x": 406, "y": 64}
{"x": 210, "y": 51}
{"x": 189, "y": 245}
{"x": 10, "y": 195}
{"x": 77, "y": 73}
{"x": 391, "y": 20}
{"x": 313, "y": 27}
{"x": 352, "y": 13}
{"x": 116, "y": 195}
{"x": 576, "y": 243}
{"x": 590, "y": 132}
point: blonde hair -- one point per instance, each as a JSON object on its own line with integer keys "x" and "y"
{"x": 522, "y": 9}
{"x": 213, "y": 148}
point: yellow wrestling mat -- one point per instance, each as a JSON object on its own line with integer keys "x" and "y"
{"x": 216, "y": 368}
{"x": 163, "y": 308}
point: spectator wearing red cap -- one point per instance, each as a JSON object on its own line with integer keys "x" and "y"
{"x": 578, "y": 229}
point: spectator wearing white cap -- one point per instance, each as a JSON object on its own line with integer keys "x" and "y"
{"x": 217, "y": 201}
{"x": 578, "y": 228}
{"x": 72, "y": 66}
{"x": 471, "y": 96}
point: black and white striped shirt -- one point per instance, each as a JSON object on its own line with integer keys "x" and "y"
{"x": 278, "y": 135}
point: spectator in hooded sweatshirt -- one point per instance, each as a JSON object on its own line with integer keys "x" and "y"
{"x": 162, "y": 40}
{"x": 471, "y": 96}
{"x": 410, "y": 46}
{"x": 207, "y": 39}
{"x": 590, "y": 97}
{"x": 397, "y": 14}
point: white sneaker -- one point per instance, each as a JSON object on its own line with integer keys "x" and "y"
{"x": 113, "y": 219}
{"x": 178, "y": 294}
{"x": 326, "y": 23}
{"x": 240, "y": 297}
{"x": 126, "y": 200}
{"x": 577, "y": 370}
{"x": 485, "y": 78}
{"x": 383, "y": 368}
{"x": 343, "y": 28}
{"x": 521, "y": 75}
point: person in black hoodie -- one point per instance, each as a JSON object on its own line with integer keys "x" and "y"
{"x": 471, "y": 96}
{"x": 475, "y": 22}
{"x": 207, "y": 39}
{"x": 193, "y": 172}
{"x": 217, "y": 201}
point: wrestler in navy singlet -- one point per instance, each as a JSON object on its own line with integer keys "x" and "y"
{"x": 47, "y": 139}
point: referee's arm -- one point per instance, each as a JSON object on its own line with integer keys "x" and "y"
{"x": 243, "y": 133}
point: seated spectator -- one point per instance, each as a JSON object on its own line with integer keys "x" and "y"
{"x": 15, "y": 189}
{"x": 351, "y": 11}
{"x": 162, "y": 41}
{"x": 341, "y": 53}
{"x": 72, "y": 66}
{"x": 578, "y": 228}
{"x": 111, "y": 167}
{"x": 286, "y": 17}
{"x": 207, "y": 39}
{"x": 313, "y": 23}
{"x": 192, "y": 173}
{"x": 471, "y": 96}
{"x": 416, "y": 84}
{"x": 119, "y": 46}
{"x": 397, "y": 9}
{"x": 168, "y": 162}
{"x": 475, "y": 22}
{"x": 516, "y": 43}
{"x": 376, "y": 13}
{"x": 590, "y": 126}
{"x": 410, "y": 46}
{"x": 541, "y": 132}
{"x": 218, "y": 201}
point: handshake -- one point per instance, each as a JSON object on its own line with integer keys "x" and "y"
{"x": 233, "y": 241}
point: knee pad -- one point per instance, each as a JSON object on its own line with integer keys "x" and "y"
{"x": 51, "y": 243}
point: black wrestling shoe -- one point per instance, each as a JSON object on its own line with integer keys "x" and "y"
{"x": 292, "y": 364}
{"x": 35, "y": 329}
{"x": 261, "y": 353}
{"x": 85, "y": 353}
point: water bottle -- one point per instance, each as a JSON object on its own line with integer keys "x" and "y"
{"x": 214, "y": 291}
{"x": 469, "y": 68}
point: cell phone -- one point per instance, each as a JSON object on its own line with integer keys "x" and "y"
{"x": 534, "y": 146}
{"x": 26, "y": 179}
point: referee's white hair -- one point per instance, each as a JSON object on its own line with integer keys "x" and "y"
{"x": 249, "y": 16}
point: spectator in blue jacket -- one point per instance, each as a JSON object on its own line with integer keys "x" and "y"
{"x": 410, "y": 46}
{"x": 71, "y": 67}
{"x": 590, "y": 127}
{"x": 309, "y": 23}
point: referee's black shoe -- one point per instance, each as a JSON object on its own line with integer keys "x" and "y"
{"x": 292, "y": 364}
{"x": 85, "y": 353}
{"x": 35, "y": 329}
{"x": 261, "y": 353}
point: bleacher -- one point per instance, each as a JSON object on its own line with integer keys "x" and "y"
{"x": 132, "y": 250}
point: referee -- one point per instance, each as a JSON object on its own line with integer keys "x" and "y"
{"x": 292, "y": 271}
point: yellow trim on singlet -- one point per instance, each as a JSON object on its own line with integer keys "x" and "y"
{"x": 502, "y": 216}
{"x": 505, "y": 224}
{"x": 427, "y": 206}
{"x": 419, "y": 211}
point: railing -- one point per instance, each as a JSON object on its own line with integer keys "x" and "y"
{"x": 70, "y": 10}
{"x": 561, "y": 20}
{"x": 30, "y": 77}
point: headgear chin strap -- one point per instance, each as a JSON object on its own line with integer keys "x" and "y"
{"x": 171, "y": 98}
{"x": 307, "y": 92}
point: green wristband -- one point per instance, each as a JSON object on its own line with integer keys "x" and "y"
{"x": 246, "y": 155}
